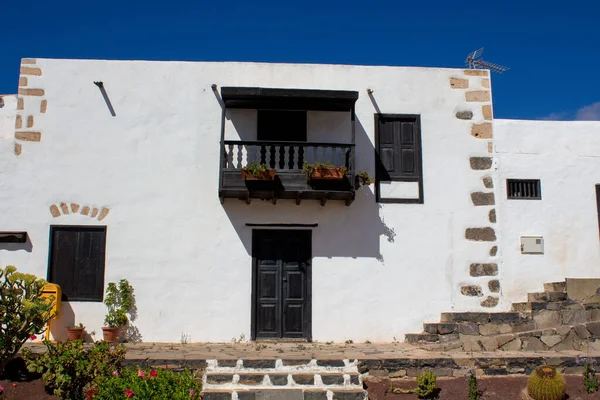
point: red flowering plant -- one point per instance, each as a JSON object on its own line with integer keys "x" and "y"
{"x": 149, "y": 384}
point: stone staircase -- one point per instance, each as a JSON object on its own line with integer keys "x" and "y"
{"x": 565, "y": 316}
{"x": 275, "y": 379}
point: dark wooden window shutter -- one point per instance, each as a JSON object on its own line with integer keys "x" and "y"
{"x": 598, "y": 203}
{"x": 77, "y": 262}
{"x": 398, "y": 149}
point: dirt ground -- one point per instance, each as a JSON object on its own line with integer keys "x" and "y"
{"x": 493, "y": 388}
{"x": 19, "y": 384}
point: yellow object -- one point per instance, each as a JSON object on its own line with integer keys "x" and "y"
{"x": 52, "y": 292}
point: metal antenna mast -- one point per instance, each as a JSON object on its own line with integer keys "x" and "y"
{"x": 473, "y": 61}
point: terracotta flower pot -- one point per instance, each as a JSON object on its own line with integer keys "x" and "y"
{"x": 267, "y": 175}
{"x": 111, "y": 335}
{"x": 328, "y": 173}
{"x": 75, "y": 333}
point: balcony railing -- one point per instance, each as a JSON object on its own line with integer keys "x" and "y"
{"x": 288, "y": 159}
{"x": 286, "y": 156}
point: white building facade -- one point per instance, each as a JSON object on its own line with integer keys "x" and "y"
{"x": 132, "y": 169}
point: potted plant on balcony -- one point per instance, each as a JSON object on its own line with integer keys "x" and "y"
{"x": 363, "y": 179}
{"x": 324, "y": 171}
{"x": 119, "y": 301}
{"x": 257, "y": 172}
{"x": 75, "y": 332}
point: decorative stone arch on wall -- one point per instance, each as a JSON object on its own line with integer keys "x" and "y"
{"x": 73, "y": 208}
{"x": 31, "y": 104}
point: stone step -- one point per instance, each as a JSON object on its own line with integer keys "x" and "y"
{"x": 286, "y": 394}
{"x": 528, "y": 306}
{"x": 439, "y": 327}
{"x": 421, "y": 337}
{"x": 546, "y": 296}
{"x": 555, "y": 287}
{"x": 482, "y": 317}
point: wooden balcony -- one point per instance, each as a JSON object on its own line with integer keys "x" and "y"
{"x": 291, "y": 182}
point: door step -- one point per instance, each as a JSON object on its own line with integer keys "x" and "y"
{"x": 275, "y": 379}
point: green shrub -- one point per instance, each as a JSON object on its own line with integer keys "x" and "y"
{"x": 474, "y": 393}
{"x": 144, "y": 384}
{"x": 23, "y": 312}
{"x": 426, "y": 386}
{"x": 546, "y": 383}
{"x": 70, "y": 370}
{"x": 590, "y": 380}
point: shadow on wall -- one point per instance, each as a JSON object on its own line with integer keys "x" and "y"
{"x": 27, "y": 246}
{"x": 354, "y": 231}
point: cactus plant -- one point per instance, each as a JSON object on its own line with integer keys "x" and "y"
{"x": 546, "y": 383}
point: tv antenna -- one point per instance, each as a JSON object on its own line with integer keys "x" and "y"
{"x": 473, "y": 61}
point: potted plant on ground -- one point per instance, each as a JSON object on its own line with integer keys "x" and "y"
{"x": 363, "y": 179}
{"x": 324, "y": 171}
{"x": 257, "y": 172}
{"x": 119, "y": 300}
{"x": 75, "y": 332}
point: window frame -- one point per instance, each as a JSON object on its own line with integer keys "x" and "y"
{"x": 511, "y": 180}
{"x": 419, "y": 160}
{"x": 49, "y": 270}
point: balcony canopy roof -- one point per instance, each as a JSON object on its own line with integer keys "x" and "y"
{"x": 288, "y": 99}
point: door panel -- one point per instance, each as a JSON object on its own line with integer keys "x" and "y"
{"x": 282, "y": 284}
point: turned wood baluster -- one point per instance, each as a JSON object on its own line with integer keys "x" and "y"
{"x": 286, "y": 157}
{"x": 229, "y": 156}
{"x": 295, "y": 159}
{"x": 257, "y": 152}
{"x": 268, "y": 156}
{"x": 277, "y": 157}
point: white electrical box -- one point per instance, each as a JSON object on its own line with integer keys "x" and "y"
{"x": 532, "y": 245}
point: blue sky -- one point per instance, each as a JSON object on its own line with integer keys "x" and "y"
{"x": 552, "y": 46}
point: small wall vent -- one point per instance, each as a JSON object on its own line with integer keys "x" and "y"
{"x": 523, "y": 189}
{"x": 532, "y": 245}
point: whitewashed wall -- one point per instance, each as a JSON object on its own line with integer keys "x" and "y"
{"x": 565, "y": 156}
{"x": 379, "y": 271}
{"x": 8, "y": 109}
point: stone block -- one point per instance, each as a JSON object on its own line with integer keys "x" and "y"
{"x": 485, "y": 234}
{"x": 217, "y": 396}
{"x": 488, "y": 182}
{"x": 476, "y": 72}
{"x": 85, "y": 210}
{"x": 251, "y": 379}
{"x": 330, "y": 363}
{"x": 593, "y": 315}
{"x": 22, "y": 81}
{"x": 398, "y": 374}
{"x": 551, "y": 340}
{"x": 488, "y": 329}
{"x": 490, "y": 147}
{"x": 30, "y": 121}
{"x": 472, "y": 346}
{"x": 246, "y": 395}
{"x": 483, "y": 269}
{"x": 494, "y": 285}
{"x": 482, "y": 131}
{"x": 304, "y": 379}
{"x": 468, "y": 328}
{"x": 442, "y": 371}
{"x": 28, "y": 136}
{"x": 471, "y": 290}
{"x": 482, "y": 198}
{"x": 574, "y": 317}
{"x": 74, "y": 207}
{"x": 533, "y": 344}
{"x": 579, "y": 289}
{"x": 458, "y": 83}
{"x": 492, "y": 215}
{"x": 489, "y": 343}
{"x": 477, "y": 96}
{"x": 487, "y": 112}
{"x": 480, "y": 163}
{"x": 219, "y": 378}
{"x": 547, "y": 319}
{"x": 582, "y": 332}
{"x": 332, "y": 379}
{"x": 54, "y": 211}
{"x": 278, "y": 379}
{"x": 570, "y": 342}
{"x": 18, "y": 122}
{"x": 31, "y": 71}
{"x": 317, "y": 395}
{"x": 464, "y": 114}
{"x": 103, "y": 213}
{"x": 95, "y": 213}
{"x": 504, "y": 339}
{"x": 490, "y": 301}
{"x": 18, "y": 149}
{"x": 508, "y": 317}
{"x": 31, "y": 92}
{"x": 247, "y": 363}
{"x": 347, "y": 395}
{"x": 513, "y": 345}
{"x": 563, "y": 330}
{"x": 28, "y": 61}
{"x": 594, "y": 328}
{"x": 278, "y": 394}
{"x": 20, "y": 103}
{"x": 64, "y": 208}
{"x": 485, "y": 83}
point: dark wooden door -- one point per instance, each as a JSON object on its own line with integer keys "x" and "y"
{"x": 281, "y": 284}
